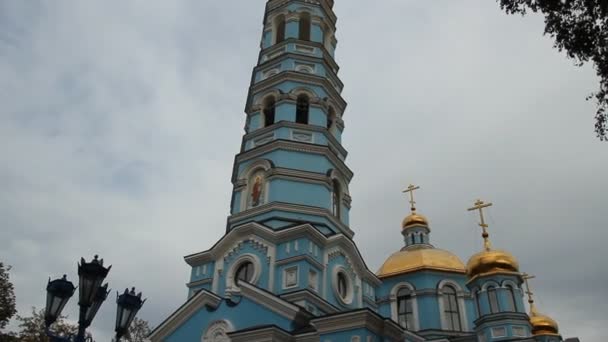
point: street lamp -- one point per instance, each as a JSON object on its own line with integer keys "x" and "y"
{"x": 127, "y": 306}
{"x": 91, "y": 295}
{"x": 58, "y": 292}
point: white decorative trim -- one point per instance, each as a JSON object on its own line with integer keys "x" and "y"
{"x": 464, "y": 325}
{"x": 286, "y": 271}
{"x": 394, "y": 303}
{"x": 218, "y": 332}
{"x": 302, "y": 136}
{"x": 348, "y": 299}
{"x": 231, "y": 285}
{"x": 180, "y": 316}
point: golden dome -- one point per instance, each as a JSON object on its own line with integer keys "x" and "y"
{"x": 414, "y": 219}
{"x": 542, "y": 324}
{"x": 411, "y": 260}
{"x": 491, "y": 261}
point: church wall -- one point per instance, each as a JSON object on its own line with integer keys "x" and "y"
{"x": 316, "y": 33}
{"x": 426, "y": 285}
{"x": 322, "y": 224}
{"x": 330, "y": 291}
{"x": 233, "y": 257}
{"x": 245, "y": 314}
{"x": 294, "y": 160}
{"x": 282, "y": 190}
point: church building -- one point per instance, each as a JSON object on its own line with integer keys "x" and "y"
{"x": 287, "y": 268}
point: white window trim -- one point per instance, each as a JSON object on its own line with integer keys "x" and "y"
{"x": 257, "y": 270}
{"x": 350, "y": 286}
{"x": 394, "y": 304}
{"x": 461, "y": 305}
{"x": 222, "y": 326}
{"x": 287, "y": 270}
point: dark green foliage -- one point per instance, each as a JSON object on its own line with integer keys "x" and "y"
{"x": 32, "y": 329}
{"x": 7, "y": 297}
{"x": 580, "y": 28}
{"x": 138, "y": 331}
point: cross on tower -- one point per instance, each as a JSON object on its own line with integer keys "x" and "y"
{"x": 526, "y": 277}
{"x": 480, "y": 205}
{"x": 410, "y": 189}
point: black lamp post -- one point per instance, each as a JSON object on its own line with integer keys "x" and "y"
{"x": 91, "y": 295}
{"x": 128, "y": 304}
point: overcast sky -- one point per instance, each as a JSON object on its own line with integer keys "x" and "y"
{"x": 119, "y": 122}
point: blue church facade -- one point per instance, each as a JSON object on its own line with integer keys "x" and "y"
{"x": 287, "y": 268}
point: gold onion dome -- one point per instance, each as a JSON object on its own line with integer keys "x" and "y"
{"x": 411, "y": 260}
{"x": 414, "y": 219}
{"x": 542, "y": 324}
{"x": 491, "y": 261}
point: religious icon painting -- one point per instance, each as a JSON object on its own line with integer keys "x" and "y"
{"x": 257, "y": 190}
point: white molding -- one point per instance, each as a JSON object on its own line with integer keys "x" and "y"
{"x": 350, "y": 286}
{"x": 231, "y": 285}
{"x": 198, "y": 301}
{"x": 394, "y": 304}
{"x": 271, "y": 238}
{"x": 464, "y": 323}
{"x": 286, "y": 270}
{"x": 222, "y": 327}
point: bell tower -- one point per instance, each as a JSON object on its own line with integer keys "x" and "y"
{"x": 291, "y": 166}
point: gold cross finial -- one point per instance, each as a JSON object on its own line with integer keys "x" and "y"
{"x": 410, "y": 189}
{"x": 526, "y": 277}
{"x": 480, "y": 205}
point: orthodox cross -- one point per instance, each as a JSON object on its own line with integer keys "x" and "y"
{"x": 410, "y": 189}
{"x": 480, "y": 205}
{"x": 526, "y": 277}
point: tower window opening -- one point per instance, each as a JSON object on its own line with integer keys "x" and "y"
{"x": 269, "y": 111}
{"x": 511, "y": 300}
{"x": 413, "y": 239}
{"x": 302, "y": 109}
{"x": 304, "y": 29}
{"x": 451, "y": 311}
{"x": 493, "y": 299}
{"x": 245, "y": 272}
{"x": 342, "y": 285}
{"x": 331, "y": 118}
{"x": 279, "y": 25}
{"x": 337, "y": 198}
{"x": 405, "y": 309}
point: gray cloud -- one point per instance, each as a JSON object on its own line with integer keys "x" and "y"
{"x": 120, "y": 121}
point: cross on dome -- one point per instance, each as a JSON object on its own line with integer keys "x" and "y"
{"x": 410, "y": 189}
{"x": 480, "y": 205}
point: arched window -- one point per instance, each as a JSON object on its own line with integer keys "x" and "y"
{"x": 244, "y": 272}
{"x": 269, "y": 111}
{"x": 304, "y": 30}
{"x": 218, "y": 332}
{"x": 451, "y": 311}
{"x": 302, "y": 108}
{"x": 336, "y": 198}
{"x": 279, "y": 24}
{"x": 405, "y": 308}
{"x": 342, "y": 285}
{"x": 493, "y": 299}
{"x": 511, "y": 299}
